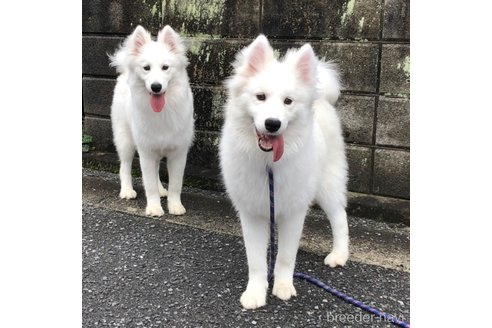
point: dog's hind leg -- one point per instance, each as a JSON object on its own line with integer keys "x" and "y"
{"x": 162, "y": 190}
{"x": 126, "y": 150}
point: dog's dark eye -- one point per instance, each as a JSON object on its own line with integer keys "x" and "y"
{"x": 165, "y": 67}
{"x": 261, "y": 96}
{"x": 147, "y": 68}
{"x": 287, "y": 101}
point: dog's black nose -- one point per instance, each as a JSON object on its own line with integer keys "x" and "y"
{"x": 156, "y": 87}
{"x": 272, "y": 124}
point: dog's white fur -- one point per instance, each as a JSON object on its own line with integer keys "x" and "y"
{"x": 136, "y": 126}
{"x": 313, "y": 166}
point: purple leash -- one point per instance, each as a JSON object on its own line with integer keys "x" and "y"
{"x": 314, "y": 281}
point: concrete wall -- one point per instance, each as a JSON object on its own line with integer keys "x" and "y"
{"x": 368, "y": 38}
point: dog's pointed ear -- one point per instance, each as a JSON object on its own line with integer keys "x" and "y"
{"x": 138, "y": 39}
{"x": 305, "y": 64}
{"x": 171, "y": 39}
{"x": 257, "y": 55}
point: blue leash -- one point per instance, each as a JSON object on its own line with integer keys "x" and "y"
{"x": 314, "y": 281}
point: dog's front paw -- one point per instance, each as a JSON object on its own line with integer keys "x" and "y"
{"x": 284, "y": 290}
{"x": 127, "y": 193}
{"x": 162, "y": 191}
{"x": 337, "y": 258}
{"x": 253, "y": 298}
{"x": 176, "y": 208}
{"x": 154, "y": 210}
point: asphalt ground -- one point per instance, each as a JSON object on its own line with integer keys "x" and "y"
{"x": 190, "y": 271}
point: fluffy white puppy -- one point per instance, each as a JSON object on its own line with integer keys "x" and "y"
{"x": 152, "y": 112}
{"x": 280, "y": 114}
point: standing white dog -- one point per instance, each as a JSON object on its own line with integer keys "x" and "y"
{"x": 285, "y": 107}
{"x": 152, "y": 112}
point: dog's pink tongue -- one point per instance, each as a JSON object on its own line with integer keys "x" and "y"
{"x": 157, "y": 102}
{"x": 278, "y": 147}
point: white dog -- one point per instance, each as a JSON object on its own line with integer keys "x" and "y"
{"x": 152, "y": 112}
{"x": 285, "y": 107}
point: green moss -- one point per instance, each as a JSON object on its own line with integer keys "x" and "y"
{"x": 94, "y": 164}
{"x": 189, "y": 181}
{"x": 86, "y": 139}
{"x": 100, "y": 166}
{"x": 361, "y": 24}
{"x": 197, "y": 45}
{"x": 207, "y": 11}
{"x": 194, "y": 45}
{"x": 86, "y": 143}
{"x": 349, "y": 10}
{"x": 350, "y": 7}
{"x": 276, "y": 53}
{"x": 406, "y": 66}
{"x": 397, "y": 95}
{"x": 171, "y": 6}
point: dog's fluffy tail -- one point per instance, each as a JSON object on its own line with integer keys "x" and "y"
{"x": 121, "y": 57}
{"x": 118, "y": 60}
{"x": 328, "y": 81}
